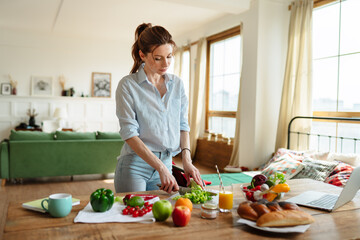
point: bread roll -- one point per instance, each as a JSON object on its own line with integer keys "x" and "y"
{"x": 260, "y": 208}
{"x": 246, "y": 211}
{"x": 274, "y": 206}
{"x": 284, "y": 218}
{"x": 289, "y": 206}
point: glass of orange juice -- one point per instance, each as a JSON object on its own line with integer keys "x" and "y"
{"x": 226, "y": 198}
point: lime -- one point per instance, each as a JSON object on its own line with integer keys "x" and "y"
{"x": 136, "y": 201}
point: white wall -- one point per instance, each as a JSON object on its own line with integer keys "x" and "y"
{"x": 271, "y": 60}
{"x": 265, "y": 29}
{"x": 84, "y": 114}
{"x": 27, "y": 54}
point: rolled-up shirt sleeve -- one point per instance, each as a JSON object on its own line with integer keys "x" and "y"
{"x": 125, "y": 111}
{"x": 184, "y": 122}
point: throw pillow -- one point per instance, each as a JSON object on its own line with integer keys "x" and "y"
{"x": 281, "y": 154}
{"x": 341, "y": 167}
{"x": 285, "y": 164}
{"x": 340, "y": 175}
{"x": 108, "y": 135}
{"x": 318, "y": 155}
{"x": 30, "y": 135}
{"x": 349, "y": 158}
{"x": 67, "y": 135}
{"x": 316, "y": 169}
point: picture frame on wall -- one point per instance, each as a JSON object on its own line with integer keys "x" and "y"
{"x": 5, "y": 89}
{"x": 101, "y": 84}
{"x": 41, "y": 86}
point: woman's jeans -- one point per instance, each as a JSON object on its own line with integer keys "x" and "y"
{"x": 133, "y": 174}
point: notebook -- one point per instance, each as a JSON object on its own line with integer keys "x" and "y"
{"x": 36, "y": 204}
{"x": 330, "y": 202}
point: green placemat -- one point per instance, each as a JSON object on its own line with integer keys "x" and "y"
{"x": 227, "y": 178}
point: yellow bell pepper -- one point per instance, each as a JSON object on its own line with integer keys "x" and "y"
{"x": 282, "y": 187}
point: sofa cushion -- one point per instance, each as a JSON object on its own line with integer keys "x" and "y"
{"x": 30, "y": 135}
{"x": 67, "y": 135}
{"x": 108, "y": 135}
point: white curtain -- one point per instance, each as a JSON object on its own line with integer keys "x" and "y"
{"x": 197, "y": 95}
{"x": 297, "y": 89}
{"x": 235, "y": 155}
{"x": 178, "y": 61}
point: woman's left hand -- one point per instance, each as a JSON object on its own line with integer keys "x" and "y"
{"x": 191, "y": 171}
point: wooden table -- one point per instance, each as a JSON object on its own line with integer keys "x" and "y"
{"x": 341, "y": 224}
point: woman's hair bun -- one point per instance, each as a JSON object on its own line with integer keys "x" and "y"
{"x": 141, "y": 28}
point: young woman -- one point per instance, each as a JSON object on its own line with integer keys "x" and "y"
{"x": 152, "y": 109}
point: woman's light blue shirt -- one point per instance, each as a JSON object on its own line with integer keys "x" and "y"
{"x": 142, "y": 112}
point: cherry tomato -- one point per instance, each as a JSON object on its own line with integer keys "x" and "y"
{"x": 125, "y": 211}
{"x": 135, "y": 214}
{"x": 146, "y": 204}
{"x": 250, "y": 196}
{"x": 131, "y": 210}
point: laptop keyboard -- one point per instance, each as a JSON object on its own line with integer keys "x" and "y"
{"x": 326, "y": 201}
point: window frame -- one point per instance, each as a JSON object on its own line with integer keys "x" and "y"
{"x": 210, "y": 40}
{"x": 337, "y": 113}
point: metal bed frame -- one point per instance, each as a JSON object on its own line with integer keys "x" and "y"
{"x": 330, "y": 137}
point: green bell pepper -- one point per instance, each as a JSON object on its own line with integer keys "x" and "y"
{"x": 102, "y": 200}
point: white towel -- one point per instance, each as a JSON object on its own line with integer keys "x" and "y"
{"x": 87, "y": 215}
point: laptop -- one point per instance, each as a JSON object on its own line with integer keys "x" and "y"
{"x": 330, "y": 202}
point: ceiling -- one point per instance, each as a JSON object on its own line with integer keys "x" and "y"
{"x": 112, "y": 19}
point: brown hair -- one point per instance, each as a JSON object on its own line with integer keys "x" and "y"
{"x": 147, "y": 39}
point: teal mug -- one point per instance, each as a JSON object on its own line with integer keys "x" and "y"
{"x": 58, "y": 205}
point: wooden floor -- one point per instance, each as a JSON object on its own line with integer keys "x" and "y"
{"x": 40, "y": 188}
{"x": 203, "y": 169}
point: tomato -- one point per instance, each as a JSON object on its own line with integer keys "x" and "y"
{"x": 141, "y": 213}
{"x": 135, "y": 214}
{"x": 125, "y": 211}
{"x": 131, "y": 210}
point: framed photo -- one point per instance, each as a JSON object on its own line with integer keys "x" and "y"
{"x": 6, "y": 89}
{"x": 101, "y": 84}
{"x": 41, "y": 86}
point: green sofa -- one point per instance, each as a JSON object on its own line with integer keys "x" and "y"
{"x": 36, "y": 154}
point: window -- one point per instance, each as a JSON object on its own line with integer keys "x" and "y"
{"x": 223, "y": 81}
{"x": 336, "y": 61}
{"x": 185, "y": 69}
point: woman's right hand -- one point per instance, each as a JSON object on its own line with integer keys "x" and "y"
{"x": 168, "y": 181}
